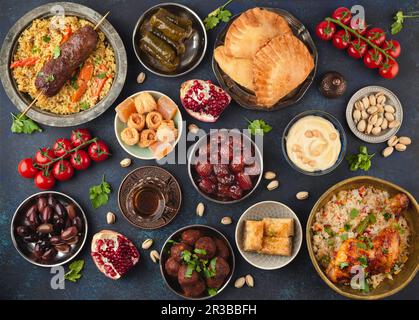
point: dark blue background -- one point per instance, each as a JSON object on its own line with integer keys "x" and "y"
{"x": 299, "y": 280}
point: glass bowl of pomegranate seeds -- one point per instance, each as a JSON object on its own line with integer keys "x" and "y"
{"x": 225, "y": 166}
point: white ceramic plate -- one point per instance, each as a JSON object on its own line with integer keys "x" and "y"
{"x": 391, "y": 100}
{"x": 268, "y": 209}
{"x": 145, "y": 153}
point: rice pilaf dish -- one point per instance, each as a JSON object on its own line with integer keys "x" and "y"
{"x": 362, "y": 228}
{"x": 40, "y": 42}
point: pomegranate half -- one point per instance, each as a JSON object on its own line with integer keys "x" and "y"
{"x": 113, "y": 253}
{"x": 203, "y": 100}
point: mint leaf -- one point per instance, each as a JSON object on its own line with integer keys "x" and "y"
{"x": 362, "y": 160}
{"x": 56, "y": 52}
{"x": 74, "y": 273}
{"x": 212, "y": 291}
{"x": 99, "y": 195}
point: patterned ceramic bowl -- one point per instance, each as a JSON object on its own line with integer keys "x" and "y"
{"x": 269, "y": 209}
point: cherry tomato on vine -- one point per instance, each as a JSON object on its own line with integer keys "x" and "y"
{"x": 389, "y": 69}
{"x": 359, "y": 25}
{"x": 341, "y": 39}
{"x": 373, "y": 59}
{"x": 80, "y": 160}
{"x": 376, "y": 36}
{"x": 61, "y": 147}
{"x": 98, "y": 151}
{"x": 392, "y": 47}
{"x": 343, "y": 15}
{"x": 26, "y": 168}
{"x": 44, "y": 180}
{"x": 79, "y": 136}
{"x": 44, "y": 156}
{"x": 325, "y": 30}
{"x": 357, "y": 48}
{"x": 62, "y": 170}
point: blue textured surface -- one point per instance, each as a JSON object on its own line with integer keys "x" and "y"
{"x": 21, "y": 280}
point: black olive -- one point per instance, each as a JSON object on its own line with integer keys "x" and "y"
{"x": 41, "y": 203}
{"x": 60, "y": 210}
{"x": 49, "y": 254}
{"x": 59, "y": 225}
{"x": 51, "y": 200}
{"x": 332, "y": 85}
{"x": 22, "y": 231}
{"x": 38, "y": 251}
{"x": 31, "y": 238}
{"x": 78, "y": 223}
{"x": 46, "y": 214}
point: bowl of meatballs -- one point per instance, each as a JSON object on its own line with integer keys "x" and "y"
{"x": 197, "y": 262}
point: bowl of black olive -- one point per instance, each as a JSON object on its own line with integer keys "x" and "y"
{"x": 169, "y": 39}
{"x": 49, "y": 229}
{"x": 197, "y": 262}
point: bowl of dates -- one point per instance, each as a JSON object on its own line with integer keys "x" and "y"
{"x": 197, "y": 262}
{"x": 49, "y": 229}
{"x": 225, "y": 166}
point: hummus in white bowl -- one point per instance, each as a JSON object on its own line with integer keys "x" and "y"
{"x": 313, "y": 144}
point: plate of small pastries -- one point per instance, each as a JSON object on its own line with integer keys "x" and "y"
{"x": 269, "y": 235}
{"x": 265, "y": 59}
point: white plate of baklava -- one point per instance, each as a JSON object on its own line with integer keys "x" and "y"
{"x": 269, "y": 235}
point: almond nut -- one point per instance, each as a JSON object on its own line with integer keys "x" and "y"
{"x": 384, "y": 125}
{"x": 273, "y": 185}
{"x": 400, "y": 147}
{"x": 369, "y": 128}
{"x": 302, "y": 195}
{"x": 376, "y": 131}
{"x": 155, "y": 256}
{"x": 193, "y": 128}
{"x": 200, "y": 208}
{"x": 387, "y": 152}
{"x": 141, "y": 78}
{"x": 147, "y": 244}
{"x": 364, "y": 115}
{"x": 226, "y": 220}
{"x": 405, "y": 140}
{"x": 392, "y": 141}
{"x": 250, "y": 282}
{"x": 356, "y": 115}
{"x": 359, "y": 106}
{"x": 389, "y": 109}
{"x": 110, "y": 218}
{"x": 365, "y": 102}
{"x": 393, "y": 124}
{"x": 373, "y": 100}
{"x": 379, "y": 122}
{"x": 125, "y": 162}
{"x": 239, "y": 283}
{"x": 361, "y": 126}
{"x": 372, "y": 110}
{"x": 381, "y": 99}
{"x": 389, "y": 116}
{"x": 373, "y": 119}
{"x": 269, "y": 175}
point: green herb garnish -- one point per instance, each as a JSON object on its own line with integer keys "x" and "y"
{"x": 84, "y": 105}
{"x": 398, "y": 228}
{"x": 384, "y": 250}
{"x": 46, "y": 38}
{"x": 387, "y": 216}
{"x": 363, "y": 260}
{"x": 200, "y": 251}
{"x": 101, "y": 75}
{"x": 399, "y": 17}
{"x": 343, "y": 265}
{"x": 372, "y": 218}
{"x": 347, "y": 227}
{"x": 212, "y": 292}
{"x": 186, "y": 256}
{"x": 366, "y": 287}
{"x": 23, "y": 124}
{"x": 362, "y": 160}
{"x": 363, "y": 225}
{"x": 99, "y": 195}
{"x": 56, "y": 52}
{"x": 219, "y": 14}
{"x": 36, "y": 50}
{"x": 344, "y": 236}
{"x": 189, "y": 270}
{"x": 258, "y": 127}
{"x": 354, "y": 213}
{"x": 74, "y": 273}
{"x": 329, "y": 231}
{"x": 361, "y": 245}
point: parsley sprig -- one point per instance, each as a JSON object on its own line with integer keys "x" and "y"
{"x": 399, "y": 17}
{"x": 258, "y": 127}
{"x": 23, "y": 124}
{"x": 74, "y": 273}
{"x": 362, "y": 160}
{"x": 99, "y": 195}
{"x": 219, "y": 14}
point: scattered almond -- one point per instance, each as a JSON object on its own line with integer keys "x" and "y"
{"x": 147, "y": 244}
{"x": 393, "y": 141}
{"x": 200, "y": 208}
{"x": 193, "y": 128}
{"x": 302, "y": 195}
{"x": 387, "y": 152}
{"x": 110, "y": 218}
{"x": 269, "y": 175}
{"x": 239, "y": 283}
{"x": 405, "y": 140}
{"x": 250, "y": 282}
{"x": 393, "y": 124}
{"x": 155, "y": 256}
{"x": 141, "y": 78}
{"x": 226, "y": 220}
{"x": 273, "y": 185}
{"x": 125, "y": 162}
{"x": 400, "y": 147}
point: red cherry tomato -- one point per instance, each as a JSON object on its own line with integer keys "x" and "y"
{"x": 44, "y": 156}
{"x": 373, "y": 59}
{"x": 61, "y": 146}
{"x": 325, "y": 30}
{"x": 341, "y": 39}
{"x": 359, "y": 25}
{"x": 357, "y": 48}
{"x": 80, "y": 160}
{"x": 44, "y": 181}
{"x": 26, "y": 168}
{"x": 389, "y": 69}
{"x": 392, "y": 47}
{"x": 80, "y": 136}
{"x": 98, "y": 151}
{"x": 376, "y": 36}
{"x": 343, "y": 15}
{"x": 62, "y": 170}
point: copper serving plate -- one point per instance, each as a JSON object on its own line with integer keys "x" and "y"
{"x": 387, "y": 287}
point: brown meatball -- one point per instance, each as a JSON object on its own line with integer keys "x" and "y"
{"x": 177, "y": 249}
{"x": 172, "y": 267}
{"x": 195, "y": 290}
{"x": 222, "y": 249}
{"x": 207, "y": 244}
{"x": 191, "y": 236}
{"x": 215, "y": 282}
{"x": 187, "y": 281}
{"x": 222, "y": 268}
